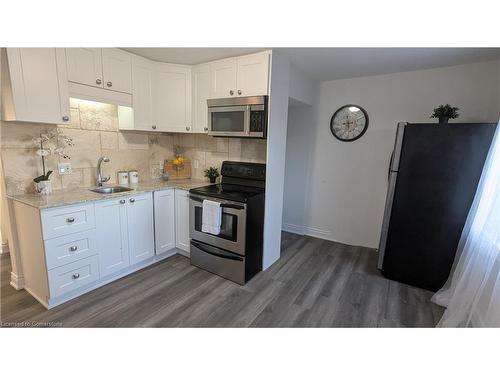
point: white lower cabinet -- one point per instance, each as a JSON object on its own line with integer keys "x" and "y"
{"x": 69, "y": 250}
{"x": 164, "y": 208}
{"x": 140, "y": 227}
{"x": 125, "y": 234}
{"x": 112, "y": 236}
{"x": 73, "y": 276}
{"x": 182, "y": 220}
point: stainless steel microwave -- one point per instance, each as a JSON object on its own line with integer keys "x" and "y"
{"x": 238, "y": 117}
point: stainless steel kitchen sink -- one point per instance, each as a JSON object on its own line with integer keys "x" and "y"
{"x": 110, "y": 189}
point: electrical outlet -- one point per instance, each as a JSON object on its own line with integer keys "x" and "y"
{"x": 64, "y": 168}
{"x": 196, "y": 164}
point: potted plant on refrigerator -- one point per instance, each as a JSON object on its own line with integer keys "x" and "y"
{"x": 212, "y": 173}
{"x": 444, "y": 113}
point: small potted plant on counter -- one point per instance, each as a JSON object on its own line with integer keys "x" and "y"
{"x": 444, "y": 113}
{"x": 59, "y": 142}
{"x": 212, "y": 173}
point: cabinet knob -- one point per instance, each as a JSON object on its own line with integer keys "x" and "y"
{"x": 76, "y": 275}
{"x": 131, "y": 200}
{"x": 98, "y": 81}
{"x": 239, "y": 92}
{"x": 70, "y": 220}
{"x": 122, "y": 201}
{"x": 65, "y": 118}
{"x": 154, "y": 126}
{"x": 206, "y": 129}
{"x": 109, "y": 84}
{"x": 187, "y": 128}
{"x": 231, "y": 92}
{"x": 73, "y": 248}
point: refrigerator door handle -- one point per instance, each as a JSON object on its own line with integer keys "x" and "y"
{"x": 390, "y": 165}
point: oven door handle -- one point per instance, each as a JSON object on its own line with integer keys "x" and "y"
{"x": 223, "y": 205}
{"x": 202, "y": 248}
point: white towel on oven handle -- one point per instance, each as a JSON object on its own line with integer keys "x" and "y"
{"x": 211, "y": 217}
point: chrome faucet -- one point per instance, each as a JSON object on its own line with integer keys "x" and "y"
{"x": 99, "y": 178}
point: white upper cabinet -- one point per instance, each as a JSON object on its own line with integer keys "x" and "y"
{"x": 253, "y": 71}
{"x": 142, "y": 93}
{"x": 201, "y": 92}
{"x": 108, "y": 68}
{"x": 85, "y": 66}
{"x": 172, "y": 98}
{"x": 117, "y": 70}
{"x": 223, "y": 78}
{"x": 35, "y": 85}
{"x": 240, "y": 76}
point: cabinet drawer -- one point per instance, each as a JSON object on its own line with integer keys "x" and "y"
{"x": 67, "y": 220}
{"x": 73, "y": 276}
{"x": 66, "y": 249}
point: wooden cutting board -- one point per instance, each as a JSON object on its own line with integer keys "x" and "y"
{"x": 175, "y": 173}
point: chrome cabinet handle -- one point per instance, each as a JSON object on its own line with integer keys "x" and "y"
{"x": 231, "y": 92}
{"x": 131, "y": 200}
{"x": 76, "y": 275}
{"x": 73, "y": 248}
{"x": 70, "y": 220}
{"x": 122, "y": 201}
{"x": 239, "y": 92}
{"x": 98, "y": 81}
{"x": 187, "y": 128}
{"x": 109, "y": 84}
{"x": 154, "y": 126}
{"x": 65, "y": 118}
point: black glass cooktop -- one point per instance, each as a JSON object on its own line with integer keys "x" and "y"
{"x": 228, "y": 192}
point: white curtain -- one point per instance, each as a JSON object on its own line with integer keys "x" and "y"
{"x": 472, "y": 293}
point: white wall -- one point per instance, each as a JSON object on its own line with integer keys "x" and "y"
{"x": 276, "y": 152}
{"x": 345, "y": 198}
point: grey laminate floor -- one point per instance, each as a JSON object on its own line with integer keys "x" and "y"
{"x": 316, "y": 283}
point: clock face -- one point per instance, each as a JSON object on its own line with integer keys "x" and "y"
{"x": 349, "y": 123}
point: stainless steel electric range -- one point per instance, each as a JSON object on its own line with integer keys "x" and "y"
{"x": 236, "y": 252}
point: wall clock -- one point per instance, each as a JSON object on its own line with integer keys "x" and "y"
{"x": 349, "y": 123}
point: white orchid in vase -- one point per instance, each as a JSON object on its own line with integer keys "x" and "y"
{"x": 46, "y": 148}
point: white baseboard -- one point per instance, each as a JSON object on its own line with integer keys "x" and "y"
{"x": 292, "y": 228}
{"x": 16, "y": 282}
{"x": 4, "y": 248}
{"x": 308, "y": 231}
{"x": 317, "y": 233}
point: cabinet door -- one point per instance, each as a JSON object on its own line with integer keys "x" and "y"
{"x": 142, "y": 93}
{"x": 117, "y": 70}
{"x": 223, "y": 79}
{"x": 201, "y": 92}
{"x": 164, "y": 205}
{"x": 85, "y": 66}
{"x": 253, "y": 72}
{"x": 38, "y": 90}
{"x": 173, "y": 98}
{"x": 112, "y": 239}
{"x": 182, "y": 220}
{"x": 140, "y": 227}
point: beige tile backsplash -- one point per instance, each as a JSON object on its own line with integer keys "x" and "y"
{"x": 94, "y": 129}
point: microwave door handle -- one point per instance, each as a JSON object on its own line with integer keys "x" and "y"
{"x": 247, "y": 119}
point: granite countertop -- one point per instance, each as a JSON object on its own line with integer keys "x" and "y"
{"x": 82, "y": 195}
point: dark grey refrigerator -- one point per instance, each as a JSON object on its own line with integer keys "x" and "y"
{"x": 433, "y": 176}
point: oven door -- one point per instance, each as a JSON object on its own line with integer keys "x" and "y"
{"x": 230, "y": 121}
{"x": 233, "y": 224}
